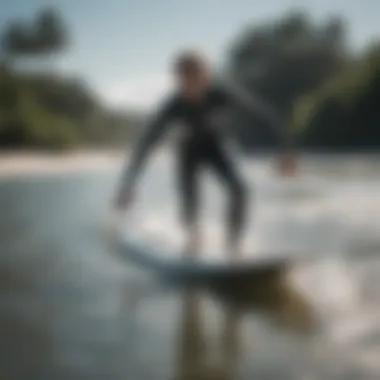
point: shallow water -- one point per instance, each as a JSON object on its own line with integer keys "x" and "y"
{"x": 72, "y": 309}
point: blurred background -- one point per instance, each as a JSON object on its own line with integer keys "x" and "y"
{"x": 77, "y": 82}
{"x": 81, "y": 74}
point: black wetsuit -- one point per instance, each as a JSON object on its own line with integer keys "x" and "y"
{"x": 202, "y": 146}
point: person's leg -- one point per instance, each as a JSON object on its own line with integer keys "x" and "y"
{"x": 224, "y": 166}
{"x": 188, "y": 161}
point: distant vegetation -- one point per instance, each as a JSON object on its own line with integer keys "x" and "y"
{"x": 51, "y": 112}
{"x": 344, "y": 112}
{"x": 327, "y": 94}
{"x": 44, "y": 109}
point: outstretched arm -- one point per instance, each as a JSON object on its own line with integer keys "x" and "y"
{"x": 254, "y": 105}
{"x": 154, "y": 131}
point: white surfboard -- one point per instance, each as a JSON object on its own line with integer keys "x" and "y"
{"x": 180, "y": 266}
{"x": 158, "y": 253}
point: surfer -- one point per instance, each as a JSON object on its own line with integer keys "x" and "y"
{"x": 194, "y": 107}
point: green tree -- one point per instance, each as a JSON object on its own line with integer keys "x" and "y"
{"x": 25, "y": 122}
{"x": 287, "y": 58}
{"x": 26, "y": 117}
{"x": 46, "y": 34}
{"x": 343, "y": 113}
{"x": 51, "y": 31}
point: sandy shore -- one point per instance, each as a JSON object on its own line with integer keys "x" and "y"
{"x": 16, "y": 164}
{"x": 29, "y": 163}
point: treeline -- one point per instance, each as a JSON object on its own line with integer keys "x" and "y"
{"x": 44, "y": 109}
{"x": 51, "y": 112}
{"x": 343, "y": 113}
{"x": 326, "y": 94}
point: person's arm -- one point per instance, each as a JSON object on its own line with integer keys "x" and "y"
{"x": 152, "y": 134}
{"x": 256, "y": 106}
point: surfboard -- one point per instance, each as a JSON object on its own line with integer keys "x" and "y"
{"x": 176, "y": 266}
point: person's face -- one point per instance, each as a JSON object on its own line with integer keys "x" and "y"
{"x": 194, "y": 83}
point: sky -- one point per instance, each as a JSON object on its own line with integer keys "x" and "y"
{"x": 122, "y": 48}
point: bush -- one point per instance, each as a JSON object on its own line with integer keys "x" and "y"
{"x": 343, "y": 113}
{"x": 25, "y": 123}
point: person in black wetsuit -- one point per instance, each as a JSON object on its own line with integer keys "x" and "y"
{"x": 195, "y": 106}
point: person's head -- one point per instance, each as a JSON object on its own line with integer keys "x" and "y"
{"x": 192, "y": 73}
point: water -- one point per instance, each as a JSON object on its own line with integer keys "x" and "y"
{"x": 72, "y": 309}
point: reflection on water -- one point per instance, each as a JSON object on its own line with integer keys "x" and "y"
{"x": 198, "y": 358}
{"x": 194, "y": 359}
{"x": 25, "y": 345}
{"x": 69, "y": 309}
{"x": 223, "y": 306}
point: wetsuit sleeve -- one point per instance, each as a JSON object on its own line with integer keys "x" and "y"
{"x": 152, "y": 134}
{"x": 253, "y": 104}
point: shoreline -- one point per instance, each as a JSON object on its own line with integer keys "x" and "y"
{"x": 22, "y": 163}
{"x": 19, "y": 163}
{"x": 26, "y": 163}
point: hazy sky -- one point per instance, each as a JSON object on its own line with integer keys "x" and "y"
{"x": 123, "y": 47}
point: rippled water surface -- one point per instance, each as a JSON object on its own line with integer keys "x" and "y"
{"x": 73, "y": 309}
